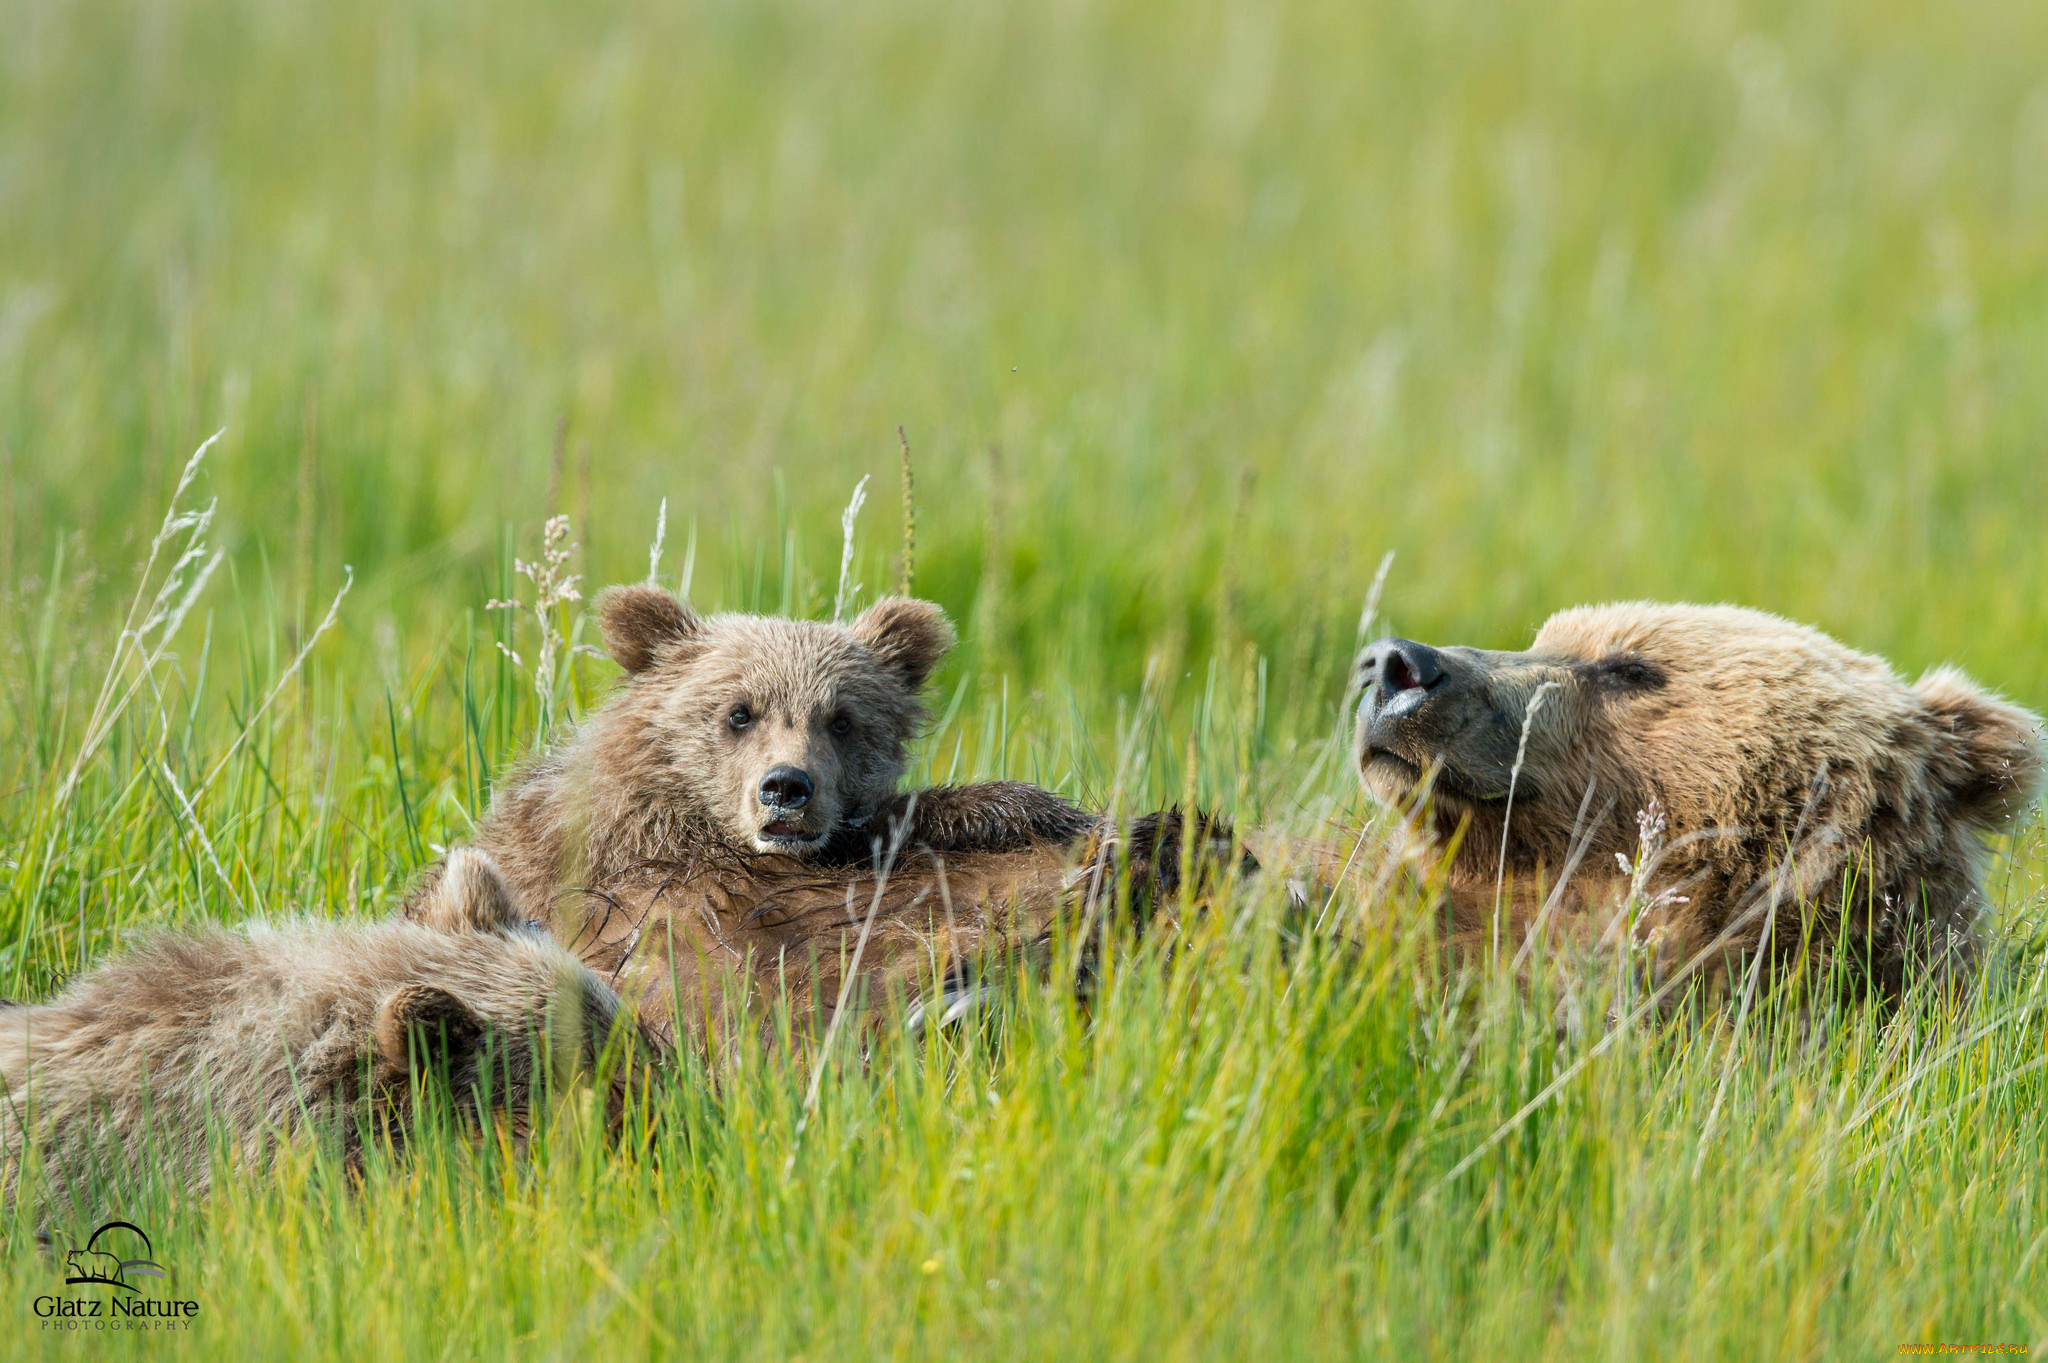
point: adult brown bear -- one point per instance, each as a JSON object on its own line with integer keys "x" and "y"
{"x": 1788, "y": 771}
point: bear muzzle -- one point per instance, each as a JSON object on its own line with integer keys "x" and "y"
{"x": 1457, "y": 711}
{"x": 790, "y": 818}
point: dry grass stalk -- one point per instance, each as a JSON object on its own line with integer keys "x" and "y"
{"x": 849, "y": 590}
{"x": 909, "y": 574}
{"x": 554, "y": 587}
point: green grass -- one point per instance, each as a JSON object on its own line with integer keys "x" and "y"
{"x": 1191, "y": 315}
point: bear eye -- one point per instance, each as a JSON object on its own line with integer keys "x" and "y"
{"x": 1627, "y": 672}
{"x": 841, "y": 726}
{"x": 740, "y": 717}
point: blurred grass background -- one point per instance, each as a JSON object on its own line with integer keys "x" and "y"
{"x": 1559, "y": 303}
{"x": 1191, "y": 314}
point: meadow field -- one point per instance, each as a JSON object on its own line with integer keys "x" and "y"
{"x": 1190, "y": 315}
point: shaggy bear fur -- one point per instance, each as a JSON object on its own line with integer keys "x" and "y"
{"x": 704, "y": 946}
{"x": 739, "y": 737}
{"x": 1791, "y": 772}
{"x": 306, "y": 1026}
{"x": 728, "y": 826}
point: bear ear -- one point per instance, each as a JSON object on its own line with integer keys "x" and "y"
{"x": 470, "y": 896}
{"x": 639, "y": 622}
{"x": 1993, "y": 756}
{"x": 908, "y": 635}
{"x": 423, "y": 1026}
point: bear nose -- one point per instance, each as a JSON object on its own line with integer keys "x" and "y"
{"x": 1397, "y": 665}
{"x": 786, "y": 788}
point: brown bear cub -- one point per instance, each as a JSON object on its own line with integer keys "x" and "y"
{"x": 728, "y": 826}
{"x": 1798, "y": 796}
{"x": 740, "y": 735}
{"x": 269, "y": 1031}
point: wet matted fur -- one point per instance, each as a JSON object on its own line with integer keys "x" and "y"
{"x": 718, "y": 942}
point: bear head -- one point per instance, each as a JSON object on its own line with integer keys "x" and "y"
{"x": 775, "y": 733}
{"x": 512, "y": 1012}
{"x": 1765, "y": 744}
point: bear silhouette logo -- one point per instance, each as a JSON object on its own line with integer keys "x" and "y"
{"x": 95, "y": 1265}
{"x": 92, "y": 1266}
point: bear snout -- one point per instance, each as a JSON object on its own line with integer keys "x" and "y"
{"x": 1459, "y": 710}
{"x": 786, "y": 788}
{"x": 1399, "y": 677}
{"x": 795, "y": 815}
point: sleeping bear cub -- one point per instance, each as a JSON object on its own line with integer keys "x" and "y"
{"x": 267, "y": 1032}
